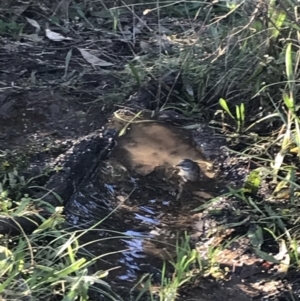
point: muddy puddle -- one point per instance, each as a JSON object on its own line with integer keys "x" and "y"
{"x": 131, "y": 203}
{"x": 133, "y": 196}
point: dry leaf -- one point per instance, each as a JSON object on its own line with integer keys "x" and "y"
{"x": 34, "y": 23}
{"x": 93, "y": 60}
{"x": 54, "y": 36}
{"x": 146, "y": 11}
{"x": 203, "y": 194}
{"x": 121, "y": 198}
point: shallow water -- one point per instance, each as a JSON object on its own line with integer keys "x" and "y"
{"x": 139, "y": 184}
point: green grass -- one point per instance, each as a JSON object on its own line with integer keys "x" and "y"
{"x": 186, "y": 259}
{"x": 47, "y": 263}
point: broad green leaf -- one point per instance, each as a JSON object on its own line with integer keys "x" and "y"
{"x": 237, "y": 113}
{"x": 238, "y": 118}
{"x": 289, "y": 102}
{"x": 242, "y": 110}
{"x": 289, "y": 67}
{"x": 280, "y": 17}
{"x": 224, "y": 105}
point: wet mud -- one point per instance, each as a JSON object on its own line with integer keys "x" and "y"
{"x": 140, "y": 185}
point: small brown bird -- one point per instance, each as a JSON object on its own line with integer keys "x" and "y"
{"x": 188, "y": 170}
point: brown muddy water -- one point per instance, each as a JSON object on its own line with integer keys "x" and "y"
{"x": 139, "y": 185}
